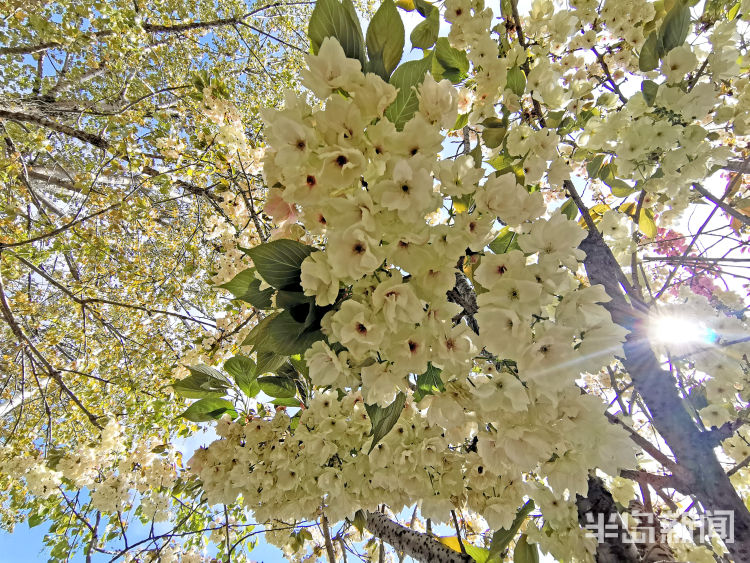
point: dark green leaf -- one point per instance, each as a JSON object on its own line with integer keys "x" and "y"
{"x": 285, "y": 299}
{"x": 384, "y": 419}
{"x": 257, "y": 297}
{"x": 675, "y": 27}
{"x": 209, "y": 409}
{"x": 650, "y": 53}
{"x": 428, "y": 383}
{"x": 35, "y": 519}
{"x": 407, "y": 78}
{"x": 649, "y": 88}
{"x": 525, "y": 552}
{"x": 277, "y": 387}
{"x": 288, "y": 336}
{"x": 424, "y": 35}
{"x": 385, "y": 40}
{"x": 424, "y": 8}
{"x": 269, "y": 362}
{"x": 569, "y": 209}
{"x": 299, "y": 364}
{"x": 278, "y": 262}
{"x": 517, "y": 81}
{"x": 506, "y": 241}
{"x": 258, "y": 337}
{"x": 502, "y": 537}
{"x": 332, "y": 18}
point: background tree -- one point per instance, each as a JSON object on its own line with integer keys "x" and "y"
{"x": 432, "y": 339}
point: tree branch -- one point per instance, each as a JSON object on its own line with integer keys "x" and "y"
{"x": 415, "y": 544}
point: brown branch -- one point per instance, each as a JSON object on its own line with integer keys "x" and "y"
{"x": 724, "y": 207}
{"x": 608, "y": 75}
{"x": 458, "y": 532}
{"x": 327, "y": 538}
{"x": 53, "y": 372}
{"x": 84, "y": 136}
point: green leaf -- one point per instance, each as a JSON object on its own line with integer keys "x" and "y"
{"x": 209, "y": 409}
{"x": 569, "y": 209}
{"x": 476, "y": 154}
{"x": 299, "y": 364}
{"x": 278, "y": 262}
{"x": 428, "y": 383}
{"x": 278, "y": 387}
{"x": 478, "y": 554}
{"x": 424, "y": 35}
{"x": 406, "y": 78}
{"x": 208, "y": 371}
{"x": 191, "y": 388}
{"x": 385, "y": 40}
{"x": 502, "y": 537}
{"x": 288, "y": 402}
{"x": 384, "y": 419}
{"x": 525, "y": 552}
{"x": 248, "y": 385}
{"x": 650, "y": 53}
{"x": 286, "y": 299}
{"x": 203, "y": 382}
{"x": 424, "y": 8}
{"x": 595, "y": 165}
{"x": 257, "y": 297}
{"x": 517, "y": 81}
{"x": 35, "y": 519}
{"x": 733, "y": 11}
{"x": 239, "y": 366}
{"x": 620, "y": 188}
{"x": 360, "y": 520}
{"x": 240, "y": 283}
{"x": 332, "y": 18}
{"x": 449, "y": 63}
{"x": 269, "y": 362}
{"x": 258, "y": 337}
{"x": 288, "y": 336}
{"x": 461, "y": 121}
{"x": 502, "y": 163}
{"x": 494, "y": 132}
{"x": 675, "y": 27}
{"x": 649, "y": 88}
{"x": 646, "y": 223}
{"x": 506, "y": 241}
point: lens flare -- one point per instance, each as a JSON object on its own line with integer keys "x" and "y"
{"x": 680, "y": 330}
